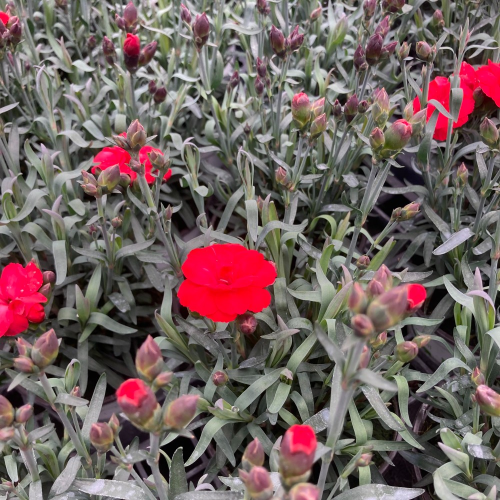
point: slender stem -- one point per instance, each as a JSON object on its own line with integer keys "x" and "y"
{"x": 105, "y": 235}
{"x": 352, "y": 246}
{"x": 277, "y": 117}
{"x": 154, "y": 440}
{"x": 30, "y": 462}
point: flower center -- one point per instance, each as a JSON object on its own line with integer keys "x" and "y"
{"x": 226, "y": 275}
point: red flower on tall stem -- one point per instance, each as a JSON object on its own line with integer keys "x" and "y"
{"x": 223, "y": 281}
{"x": 20, "y": 301}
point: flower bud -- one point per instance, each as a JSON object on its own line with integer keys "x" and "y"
{"x": 137, "y": 401}
{"x": 462, "y": 176}
{"x": 136, "y": 136}
{"x": 247, "y": 323}
{"x": 406, "y": 351}
{"x": 417, "y": 121}
{"x": 258, "y": 483}
{"x": 379, "y": 341}
{"x": 489, "y": 132}
{"x": 201, "y": 30}
{"x": 479, "y": 97}
{"x": 6, "y": 412}
{"x": 131, "y": 51}
{"x": 15, "y": 30}
{"x": 404, "y": 51}
{"x": 160, "y": 95}
{"x": 363, "y": 107}
{"x": 259, "y": 86}
{"x": 220, "y": 378}
{"x": 149, "y": 360}
{"x": 124, "y": 180}
{"x": 388, "y": 309}
{"x": 424, "y": 51}
{"x": 409, "y": 211}
{"x": 282, "y": 177}
{"x": 304, "y": 491}
{"x": 234, "y": 80}
{"x": 358, "y": 302}
{"x": 295, "y": 40}
{"x": 301, "y": 109}
{"x": 24, "y": 364}
{"x": 6, "y": 434}
{"x": 130, "y": 16}
{"x": 185, "y": 14}
{"x": 263, "y": 7}
{"x": 181, "y": 411}
{"x": 109, "y": 178}
{"x": 384, "y": 277}
{"x": 397, "y": 136}
{"x": 383, "y": 27}
{"x": 318, "y": 126}
{"x": 359, "y": 59}
{"x": 261, "y": 67}
{"x": 23, "y": 347}
{"x": 253, "y": 455}
{"x": 375, "y": 288}
{"x": 316, "y": 14}
{"x": 364, "y": 460}
{"x": 351, "y": 108}
{"x": 297, "y": 453}
{"x": 24, "y": 413}
{"x": 364, "y": 359}
{"x": 362, "y": 325}
{"x": 337, "y": 109}
{"x": 278, "y": 42}
{"x": 377, "y": 139}
{"x": 147, "y": 53}
{"x": 114, "y": 423}
{"x": 388, "y": 50}
{"x": 108, "y": 49}
{"x": 477, "y": 377}
{"x": 437, "y": 20}
{"x": 374, "y": 49}
{"x": 363, "y": 262}
{"x": 318, "y": 107}
{"x": 101, "y": 437}
{"x": 488, "y": 400}
{"x": 91, "y": 42}
{"x": 369, "y": 7}
{"x": 163, "y": 379}
{"x": 45, "y": 350}
{"x": 49, "y": 277}
{"x": 380, "y": 107}
{"x": 392, "y": 6}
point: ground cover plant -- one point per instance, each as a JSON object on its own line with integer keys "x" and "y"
{"x": 249, "y": 249}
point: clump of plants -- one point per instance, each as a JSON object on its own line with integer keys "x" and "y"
{"x": 249, "y": 250}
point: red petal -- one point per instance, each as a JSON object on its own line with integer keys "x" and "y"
{"x": 197, "y": 298}
{"x": 35, "y": 314}
{"x": 18, "y": 325}
{"x": 34, "y": 277}
{"x": 12, "y": 281}
{"x": 6, "y": 317}
{"x": 416, "y": 295}
{"x": 4, "y": 17}
{"x": 303, "y": 439}
{"x": 489, "y": 80}
{"x": 200, "y": 267}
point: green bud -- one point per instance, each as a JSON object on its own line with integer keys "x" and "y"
{"x": 45, "y": 350}
{"x": 6, "y": 412}
{"x": 364, "y": 460}
{"x": 406, "y": 351}
{"x": 462, "y": 176}
{"x": 381, "y": 107}
{"x": 409, "y": 211}
{"x": 424, "y": 51}
{"x": 404, "y": 51}
{"x": 377, "y": 140}
{"x": 388, "y": 309}
{"x": 24, "y": 364}
{"x": 109, "y": 178}
{"x": 422, "y": 340}
{"x": 397, "y": 136}
{"x": 477, "y": 377}
{"x": 363, "y": 262}
{"x": 102, "y": 437}
{"x": 181, "y": 411}
{"x": 301, "y": 109}
{"x": 149, "y": 360}
{"x": 379, "y": 341}
{"x": 304, "y": 491}
{"x": 318, "y": 126}
{"x": 489, "y": 132}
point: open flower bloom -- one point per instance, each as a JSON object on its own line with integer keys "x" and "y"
{"x": 440, "y": 90}
{"x": 488, "y": 78}
{"x": 223, "y": 281}
{"x": 4, "y": 17}
{"x": 111, "y": 156}
{"x": 20, "y": 301}
{"x": 416, "y": 295}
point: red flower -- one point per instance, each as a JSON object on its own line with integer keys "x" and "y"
{"x": 223, "y": 281}
{"x": 297, "y": 450}
{"x": 440, "y": 89}
{"x": 20, "y": 301}
{"x": 4, "y": 17}
{"x": 132, "y": 45}
{"x": 136, "y": 400}
{"x": 416, "y": 295}
{"x": 109, "y": 157}
{"x": 468, "y": 76}
{"x": 489, "y": 80}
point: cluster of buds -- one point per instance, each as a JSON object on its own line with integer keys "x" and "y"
{"x": 11, "y": 418}
{"x": 375, "y": 51}
{"x": 263, "y": 7}
{"x": 297, "y": 453}
{"x": 425, "y": 52}
{"x": 136, "y": 397}
{"x": 406, "y": 213}
{"x": 488, "y": 400}
{"x": 133, "y": 56}
{"x": 306, "y": 113}
{"x": 369, "y": 7}
{"x": 489, "y": 133}
{"x": 262, "y": 81}
{"x": 389, "y": 143}
{"x": 392, "y": 6}
{"x": 35, "y": 358}
{"x": 105, "y": 183}
{"x": 103, "y": 434}
{"x": 382, "y": 306}
{"x": 129, "y": 21}
{"x": 282, "y": 46}
{"x": 11, "y": 31}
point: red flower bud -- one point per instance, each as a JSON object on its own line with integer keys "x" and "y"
{"x": 488, "y": 400}
{"x": 23, "y": 347}
{"x": 234, "y": 80}
{"x": 301, "y": 109}
{"x": 392, "y": 6}
{"x": 259, "y": 86}
{"x": 363, "y": 262}
{"x": 185, "y": 14}
{"x": 462, "y": 175}
{"x": 108, "y": 49}
{"x": 247, "y": 323}
{"x": 181, "y": 411}
{"x": 397, "y": 137}
{"x": 337, "y": 109}
{"x": 374, "y": 49}
{"x": 132, "y": 45}
{"x": 437, "y": 20}
{"x": 258, "y": 483}
{"x": 278, "y": 42}
{"x": 201, "y": 30}
{"x": 263, "y": 7}
{"x": 383, "y": 27}
{"x": 359, "y": 59}
{"x": 369, "y": 7}
{"x": 45, "y": 350}
{"x": 261, "y": 67}
{"x": 220, "y": 378}
{"x": 147, "y": 53}
{"x": 102, "y": 437}
{"x": 351, "y": 108}
{"x": 295, "y": 40}
{"x": 298, "y": 448}
{"x": 254, "y": 455}
{"x": 149, "y": 360}
{"x": 6, "y": 412}
{"x": 137, "y": 401}
{"x": 152, "y": 87}
{"x": 363, "y": 107}
{"x": 160, "y": 95}
{"x": 24, "y": 413}
{"x": 130, "y": 16}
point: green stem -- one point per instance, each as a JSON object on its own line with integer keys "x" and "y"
{"x": 30, "y": 462}
{"x": 105, "y": 235}
{"x": 154, "y": 440}
{"x": 277, "y": 116}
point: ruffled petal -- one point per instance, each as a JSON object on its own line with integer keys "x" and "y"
{"x": 241, "y": 300}
{"x": 5, "y": 319}
{"x": 4, "y": 17}
{"x": 489, "y": 80}
{"x": 200, "y": 267}
{"x": 12, "y": 281}
{"x": 35, "y": 313}
{"x": 34, "y": 278}
{"x": 197, "y": 298}
{"x": 18, "y": 325}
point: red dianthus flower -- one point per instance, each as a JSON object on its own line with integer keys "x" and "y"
{"x": 132, "y": 45}
{"x": 223, "y": 281}
{"x": 489, "y": 80}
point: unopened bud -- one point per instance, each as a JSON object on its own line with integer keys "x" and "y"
{"x": 114, "y": 423}
{"x": 263, "y": 7}
{"x": 364, "y": 460}
{"x": 281, "y": 176}
{"x": 422, "y": 340}
{"x": 379, "y": 341}
{"x": 23, "y": 347}
{"x": 247, "y": 323}
{"x": 181, "y": 411}
{"x": 362, "y": 325}
{"x": 234, "y": 80}
{"x": 253, "y": 456}
{"x": 417, "y": 121}
{"x": 409, "y": 211}
{"x": 7, "y": 434}
{"x": 201, "y": 30}
{"x": 351, "y": 108}
{"x": 24, "y": 364}
{"x": 375, "y": 288}
{"x": 388, "y": 50}
{"x": 6, "y": 412}
{"x": 160, "y": 95}
{"x": 278, "y": 42}
{"x": 220, "y": 378}
{"x": 374, "y": 49}
{"x": 258, "y": 483}
{"x": 364, "y": 359}
{"x": 392, "y": 6}
{"x": 369, "y": 7}
{"x": 301, "y": 109}
{"x": 424, "y": 51}
{"x": 358, "y": 301}
{"x": 163, "y": 379}
{"x": 136, "y": 136}
{"x": 91, "y": 42}
{"x": 316, "y": 14}
{"x": 130, "y": 16}
{"x": 295, "y": 40}
{"x": 259, "y": 86}
{"x": 406, "y": 351}
{"x": 488, "y": 400}
{"x": 185, "y": 14}
{"x": 384, "y": 277}
{"x": 377, "y": 139}
{"x": 297, "y": 452}
{"x": 388, "y": 309}
{"x": 397, "y": 136}
{"x": 489, "y": 132}
{"x": 261, "y": 67}
{"x": 101, "y": 436}
{"x": 149, "y": 360}
{"x": 383, "y": 27}
{"x": 462, "y": 175}
{"x": 363, "y": 262}
{"x": 437, "y": 20}
{"x": 404, "y": 51}
{"x": 304, "y": 491}
{"x": 318, "y": 126}
{"x": 381, "y": 107}
{"x": 477, "y": 377}
{"x": 24, "y": 413}
{"x": 109, "y": 178}
{"x": 147, "y": 53}
{"x": 337, "y": 109}
{"x": 45, "y": 350}
{"x": 152, "y": 87}
{"x": 49, "y": 277}
{"x": 363, "y": 107}
{"x": 318, "y": 107}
